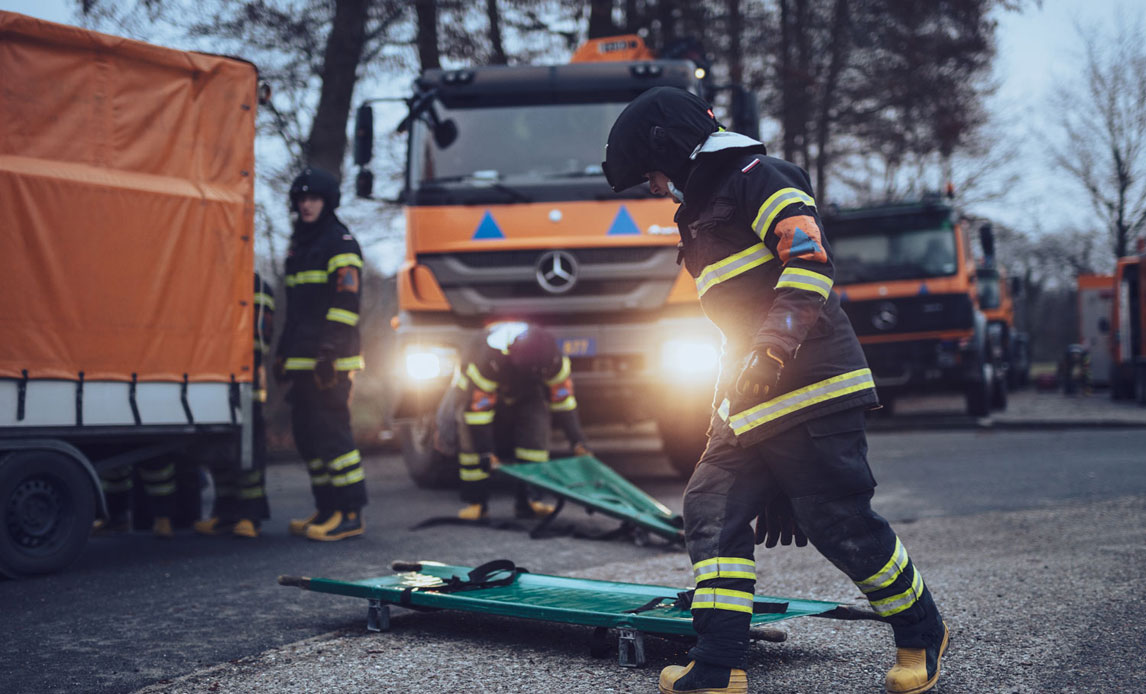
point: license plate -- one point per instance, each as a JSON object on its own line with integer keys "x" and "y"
{"x": 578, "y": 346}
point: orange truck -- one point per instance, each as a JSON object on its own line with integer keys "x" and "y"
{"x": 1095, "y": 325}
{"x": 126, "y": 262}
{"x": 907, "y": 279}
{"x": 1128, "y": 356}
{"x": 509, "y": 218}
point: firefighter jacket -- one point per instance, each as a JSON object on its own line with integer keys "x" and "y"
{"x": 264, "y": 334}
{"x": 323, "y": 284}
{"x": 485, "y": 377}
{"x": 752, "y": 240}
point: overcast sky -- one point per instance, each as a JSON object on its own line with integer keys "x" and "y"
{"x": 1035, "y": 48}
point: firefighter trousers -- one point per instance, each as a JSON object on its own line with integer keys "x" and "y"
{"x": 821, "y": 465}
{"x": 320, "y": 423}
{"x": 521, "y": 434}
{"x": 242, "y": 493}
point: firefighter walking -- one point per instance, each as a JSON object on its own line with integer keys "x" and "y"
{"x": 318, "y": 353}
{"x": 786, "y": 441}
{"x": 510, "y": 386}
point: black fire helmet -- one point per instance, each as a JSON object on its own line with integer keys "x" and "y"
{"x": 318, "y": 182}
{"x": 535, "y": 352}
{"x": 657, "y": 131}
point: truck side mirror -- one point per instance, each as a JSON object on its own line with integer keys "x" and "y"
{"x": 987, "y": 241}
{"x": 445, "y": 132}
{"x": 363, "y": 135}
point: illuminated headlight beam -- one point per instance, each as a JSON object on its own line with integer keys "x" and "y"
{"x": 689, "y": 358}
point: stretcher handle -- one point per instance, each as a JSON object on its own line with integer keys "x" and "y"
{"x": 406, "y": 565}
{"x": 295, "y": 581}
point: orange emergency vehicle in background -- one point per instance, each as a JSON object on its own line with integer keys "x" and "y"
{"x": 509, "y": 218}
{"x": 1128, "y": 368}
{"x": 126, "y": 261}
{"x": 907, "y": 279}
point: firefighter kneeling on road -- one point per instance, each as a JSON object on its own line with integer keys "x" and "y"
{"x": 508, "y": 387}
{"x": 786, "y": 442}
{"x": 318, "y": 353}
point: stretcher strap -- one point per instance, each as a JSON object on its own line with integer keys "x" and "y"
{"x": 481, "y": 577}
{"x": 683, "y": 601}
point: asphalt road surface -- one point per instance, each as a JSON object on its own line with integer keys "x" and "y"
{"x": 136, "y": 611}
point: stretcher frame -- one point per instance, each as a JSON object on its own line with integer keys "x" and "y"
{"x": 632, "y": 610}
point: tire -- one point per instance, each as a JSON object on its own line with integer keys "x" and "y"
{"x": 47, "y": 505}
{"x": 683, "y": 443}
{"x": 977, "y": 396}
{"x": 428, "y": 469}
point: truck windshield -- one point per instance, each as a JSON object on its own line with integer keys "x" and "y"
{"x": 549, "y": 142}
{"x": 894, "y": 255}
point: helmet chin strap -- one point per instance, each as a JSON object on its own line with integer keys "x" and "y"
{"x": 675, "y": 192}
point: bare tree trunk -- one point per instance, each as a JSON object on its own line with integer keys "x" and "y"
{"x": 428, "y": 55}
{"x": 601, "y": 19}
{"x": 326, "y": 144}
{"x": 788, "y": 94}
{"x": 498, "y": 57}
{"x": 735, "y": 43}
{"x": 840, "y": 53}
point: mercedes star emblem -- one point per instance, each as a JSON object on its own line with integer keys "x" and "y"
{"x": 557, "y": 271}
{"x": 886, "y": 316}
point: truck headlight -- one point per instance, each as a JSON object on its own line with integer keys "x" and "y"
{"x": 428, "y": 363}
{"x": 689, "y": 358}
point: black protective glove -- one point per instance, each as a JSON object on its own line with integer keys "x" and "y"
{"x": 324, "y": 377}
{"x": 777, "y": 523}
{"x": 760, "y": 374}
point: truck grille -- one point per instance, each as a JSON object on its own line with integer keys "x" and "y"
{"x": 505, "y": 282}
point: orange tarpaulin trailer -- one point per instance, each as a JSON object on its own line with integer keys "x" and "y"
{"x": 126, "y": 208}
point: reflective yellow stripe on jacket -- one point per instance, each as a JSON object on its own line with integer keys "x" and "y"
{"x": 799, "y": 278}
{"x": 827, "y": 389}
{"x": 733, "y": 265}
{"x": 776, "y": 204}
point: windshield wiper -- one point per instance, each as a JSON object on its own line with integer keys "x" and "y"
{"x": 478, "y": 184}
{"x": 576, "y": 174}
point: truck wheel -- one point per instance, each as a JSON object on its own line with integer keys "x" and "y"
{"x": 978, "y": 394}
{"x": 428, "y": 469}
{"x": 682, "y": 444}
{"x": 47, "y": 505}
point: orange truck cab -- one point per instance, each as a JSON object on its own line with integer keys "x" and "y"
{"x": 907, "y": 281}
{"x": 1128, "y": 367}
{"x": 509, "y": 218}
{"x": 126, "y": 271}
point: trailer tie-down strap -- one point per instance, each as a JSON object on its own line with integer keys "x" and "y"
{"x": 479, "y": 577}
{"x": 683, "y": 601}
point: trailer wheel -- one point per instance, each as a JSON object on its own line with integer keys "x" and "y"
{"x": 47, "y": 505}
{"x": 428, "y": 468}
{"x": 683, "y": 443}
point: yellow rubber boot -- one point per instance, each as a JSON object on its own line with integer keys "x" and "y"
{"x": 245, "y": 528}
{"x": 473, "y": 512}
{"x": 211, "y": 526}
{"x": 298, "y": 526}
{"x": 161, "y": 528}
{"x": 702, "y": 679}
{"x": 916, "y": 670}
{"x": 341, "y": 526}
{"x": 535, "y": 509}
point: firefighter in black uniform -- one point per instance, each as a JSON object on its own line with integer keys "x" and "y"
{"x": 786, "y": 442}
{"x": 508, "y": 388}
{"x": 319, "y": 351}
{"x": 240, "y": 503}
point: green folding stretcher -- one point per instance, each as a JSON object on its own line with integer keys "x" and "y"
{"x": 588, "y": 482}
{"x": 500, "y": 588}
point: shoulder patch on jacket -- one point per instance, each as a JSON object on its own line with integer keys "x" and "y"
{"x": 800, "y": 238}
{"x": 752, "y": 165}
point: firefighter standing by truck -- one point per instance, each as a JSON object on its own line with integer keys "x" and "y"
{"x": 786, "y": 443}
{"x": 318, "y": 353}
{"x": 240, "y": 503}
{"x": 510, "y": 385}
